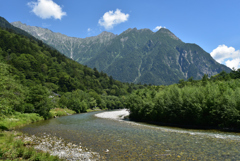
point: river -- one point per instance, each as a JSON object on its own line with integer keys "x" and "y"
{"x": 123, "y": 140}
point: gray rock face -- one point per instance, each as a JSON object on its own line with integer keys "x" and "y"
{"x": 134, "y": 55}
{"x": 75, "y": 48}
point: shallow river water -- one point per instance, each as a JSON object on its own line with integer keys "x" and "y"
{"x": 135, "y": 141}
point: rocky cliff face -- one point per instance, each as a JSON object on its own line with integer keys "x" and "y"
{"x": 135, "y": 55}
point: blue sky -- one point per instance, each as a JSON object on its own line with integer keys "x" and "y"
{"x": 212, "y": 24}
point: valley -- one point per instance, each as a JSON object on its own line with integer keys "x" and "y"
{"x": 154, "y": 75}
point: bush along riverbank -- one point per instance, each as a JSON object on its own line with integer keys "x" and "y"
{"x": 209, "y": 103}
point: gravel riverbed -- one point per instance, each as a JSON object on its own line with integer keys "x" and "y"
{"x": 58, "y": 147}
{"x": 67, "y": 150}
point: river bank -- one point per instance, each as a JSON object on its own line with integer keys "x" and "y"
{"x": 59, "y": 147}
{"x": 128, "y": 140}
{"x": 12, "y": 147}
{"x": 17, "y": 119}
{"x": 16, "y": 145}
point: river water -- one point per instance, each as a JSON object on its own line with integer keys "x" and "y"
{"x": 135, "y": 141}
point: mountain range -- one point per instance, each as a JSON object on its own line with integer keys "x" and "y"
{"x": 159, "y": 58}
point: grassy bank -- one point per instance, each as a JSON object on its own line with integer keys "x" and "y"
{"x": 94, "y": 109}
{"x": 64, "y": 112}
{"x": 17, "y": 119}
{"x": 15, "y": 149}
{"x": 60, "y": 112}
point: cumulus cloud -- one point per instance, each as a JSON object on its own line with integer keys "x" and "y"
{"x": 111, "y": 18}
{"x": 227, "y": 55}
{"x": 158, "y": 28}
{"x": 89, "y": 30}
{"x": 46, "y": 9}
{"x": 234, "y": 63}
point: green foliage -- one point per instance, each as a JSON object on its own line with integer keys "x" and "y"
{"x": 113, "y": 102}
{"x": 78, "y": 100}
{"x": 12, "y": 93}
{"x": 39, "y": 98}
{"x": 198, "y": 103}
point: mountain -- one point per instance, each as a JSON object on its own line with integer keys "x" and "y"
{"x": 134, "y": 55}
{"x": 76, "y": 48}
{"x": 33, "y": 76}
{"x": 36, "y": 63}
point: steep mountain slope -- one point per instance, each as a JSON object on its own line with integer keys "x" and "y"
{"x": 135, "y": 55}
{"x": 78, "y": 49}
{"x": 36, "y": 63}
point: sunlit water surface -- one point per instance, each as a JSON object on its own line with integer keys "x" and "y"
{"x": 134, "y": 141}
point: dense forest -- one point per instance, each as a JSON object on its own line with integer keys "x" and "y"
{"x": 35, "y": 78}
{"x": 210, "y": 102}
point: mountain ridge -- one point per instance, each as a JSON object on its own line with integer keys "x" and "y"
{"x": 138, "y": 55}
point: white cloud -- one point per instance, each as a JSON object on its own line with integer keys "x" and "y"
{"x": 46, "y": 9}
{"x": 158, "y": 28}
{"x": 89, "y": 29}
{"x": 227, "y": 55}
{"x": 235, "y": 63}
{"x": 111, "y": 18}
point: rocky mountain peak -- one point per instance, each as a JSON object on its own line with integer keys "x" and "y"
{"x": 168, "y": 32}
{"x": 106, "y": 34}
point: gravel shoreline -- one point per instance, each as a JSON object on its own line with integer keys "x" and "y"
{"x": 114, "y": 115}
{"x": 58, "y": 147}
{"x": 65, "y": 150}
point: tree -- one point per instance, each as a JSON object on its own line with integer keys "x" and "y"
{"x": 204, "y": 79}
{"x": 181, "y": 83}
{"x": 96, "y": 73}
{"x": 12, "y": 93}
{"x": 39, "y": 97}
{"x": 111, "y": 81}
